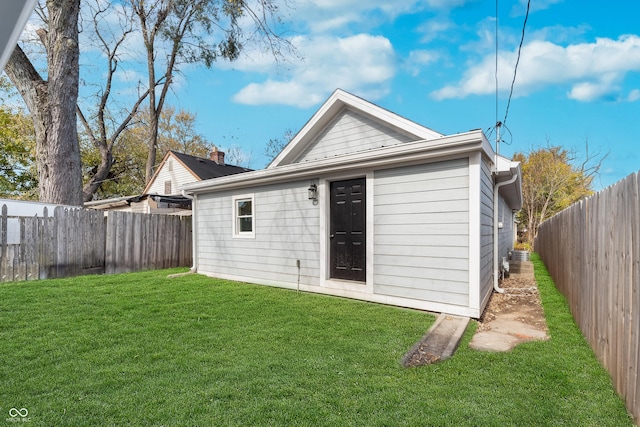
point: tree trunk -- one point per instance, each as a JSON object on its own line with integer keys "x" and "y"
{"x": 106, "y": 161}
{"x": 53, "y": 105}
{"x": 152, "y": 143}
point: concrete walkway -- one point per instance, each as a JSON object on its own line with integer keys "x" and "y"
{"x": 439, "y": 343}
{"x": 506, "y": 332}
{"x": 508, "y": 329}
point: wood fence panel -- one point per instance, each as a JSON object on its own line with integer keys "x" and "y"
{"x": 137, "y": 243}
{"x": 3, "y": 243}
{"x": 31, "y": 248}
{"x": 77, "y": 241}
{"x": 110, "y": 246}
{"x": 633, "y": 390}
{"x": 47, "y": 246}
{"x": 592, "y": 251}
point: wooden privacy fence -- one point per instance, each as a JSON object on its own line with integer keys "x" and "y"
{"x": 72, "y": 242}
{"x": 137, "y": 242}
{"x": 592, "y": 251}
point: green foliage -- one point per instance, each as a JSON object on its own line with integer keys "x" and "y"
{"x": 551, "y": 182}
{"x": 143, "y": 349}
{"x": 177, "y": 131}
{"x": 127, "y": 175}
{"x": 522, "y": 246}
{"x": 18, "y": 174}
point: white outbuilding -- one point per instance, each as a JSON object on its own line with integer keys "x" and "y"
{"x": 365, "y": 204}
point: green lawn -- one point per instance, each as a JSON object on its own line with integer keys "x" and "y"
{"x": 142, "y": 349}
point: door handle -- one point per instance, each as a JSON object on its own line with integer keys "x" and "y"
{"x": 332, "y": 236}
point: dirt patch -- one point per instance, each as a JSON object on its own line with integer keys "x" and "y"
{"x": 521, "y": 301}
{"x": 511, "y": 318}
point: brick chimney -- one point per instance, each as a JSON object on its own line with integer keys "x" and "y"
{"x": 217, "y": 156}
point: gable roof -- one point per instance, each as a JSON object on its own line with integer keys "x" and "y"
{"x": 337, "y": 103}
{"x": 206, "y": 168}
{"x": 199, "y": 167}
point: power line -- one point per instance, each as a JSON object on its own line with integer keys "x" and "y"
{"x": 515, "y": 70}
{"x": 496, "y": 70}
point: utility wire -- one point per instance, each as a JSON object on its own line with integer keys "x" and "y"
{"x": 515, "y": 70}
{"x": 496, "y": 70}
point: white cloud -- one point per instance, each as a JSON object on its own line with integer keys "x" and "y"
{"x": 131, "y": 76}
{"x": 327, "y": 15}
{"x": 634, "y": 95}
{"x": 418, "y": 59}
{"x": 362, "y": 63}
{"x": 588, "y": 91}
{"x": 447, "y": 4}
{"x": 432, "y": 28}
{"x": 591, "y": 70}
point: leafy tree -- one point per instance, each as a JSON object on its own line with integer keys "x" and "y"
{"x": 127, "y": 173}
{"x": 18, "y": 174}
{"x": 177, "y": 132}
{"x": 174, "y": 32}
{"x": 52, "y": 103}
{"x": 552, "y": 180}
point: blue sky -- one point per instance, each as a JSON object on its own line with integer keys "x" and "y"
{"x": 433, "y": 62}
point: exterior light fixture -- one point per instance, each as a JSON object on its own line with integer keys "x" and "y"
{"x": 313, "y": 192}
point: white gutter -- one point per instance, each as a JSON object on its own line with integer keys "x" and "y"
{"x": 194, "y": 235}
{"x": 496, "y": 256}
{"x": 405, "y": 153}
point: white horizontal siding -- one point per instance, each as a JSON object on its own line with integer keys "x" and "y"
{"x": 351, "y": 132}
{"x": 172, "y": 170}
{"x": 286, "y": 230}
{"x": 421, "y": 232}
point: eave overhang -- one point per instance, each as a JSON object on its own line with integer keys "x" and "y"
{"x": 512, "y": 193}
{"x": 379, "y": 158}
{"x": 14, "y": 15}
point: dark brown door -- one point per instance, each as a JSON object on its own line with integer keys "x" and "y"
{"x": 348, "y": 230}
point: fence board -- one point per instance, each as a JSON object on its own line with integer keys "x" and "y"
{"x": 77, "y": 241}
{"x": 592, "y": 251}
{"x": 3, "y": 243}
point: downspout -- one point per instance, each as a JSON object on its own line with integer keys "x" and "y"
{"x": 194, "y": 235}
{"x": 496, "y": 260}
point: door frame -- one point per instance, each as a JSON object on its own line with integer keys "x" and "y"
{"x": 324, "y": 189}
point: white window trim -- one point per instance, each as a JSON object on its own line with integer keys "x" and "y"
{"x": 237, "y": 234}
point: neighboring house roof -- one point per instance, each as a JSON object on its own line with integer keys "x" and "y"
{"x": 194, "y": 169}
{"x": 13, "y": 17}
{"x": 117, "y": 202}
{"x": 114, "y": 202}
{"x": 207, "y": 168}
{"x": 200, "y": 168}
